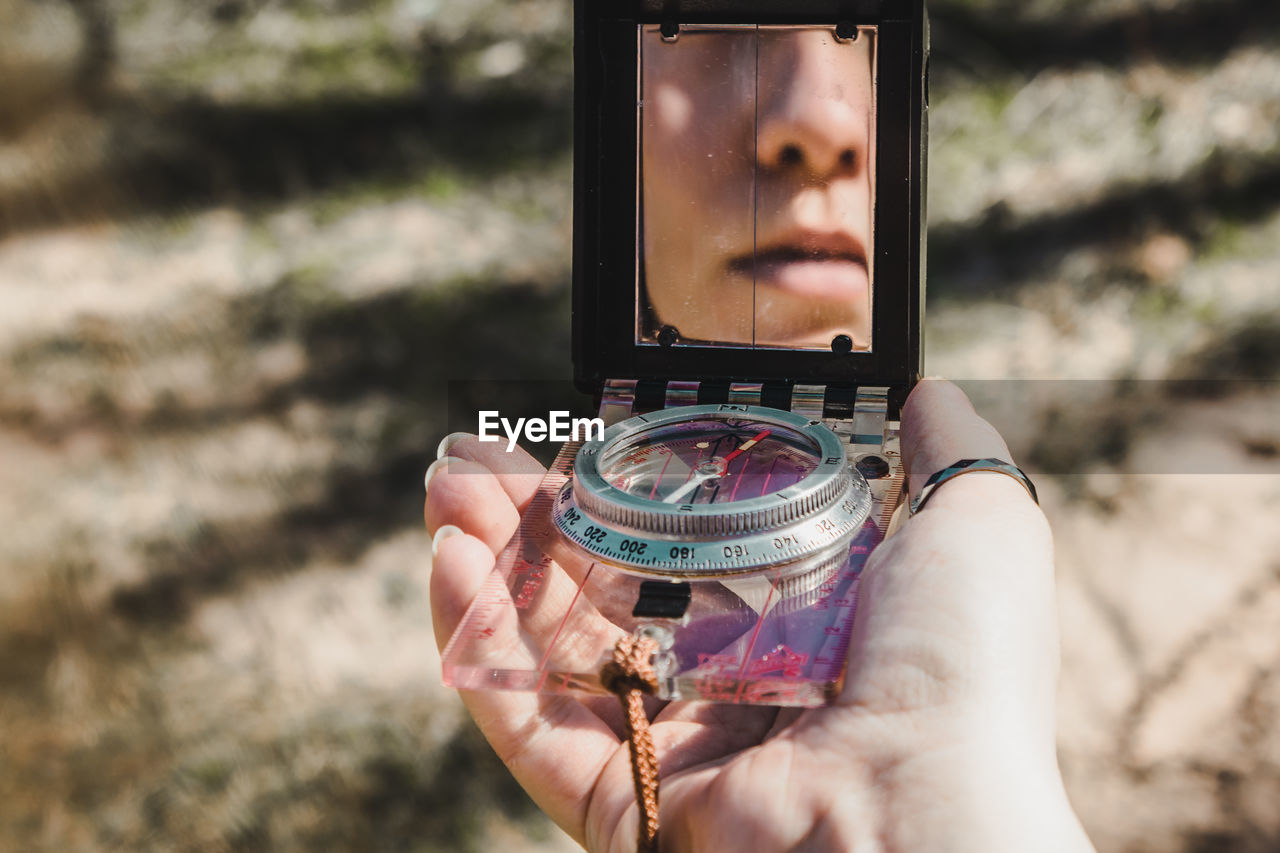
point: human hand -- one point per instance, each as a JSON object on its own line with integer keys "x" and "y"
{"x": 943, "y": 737}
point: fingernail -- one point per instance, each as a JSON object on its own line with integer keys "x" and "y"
{"x": 433, "y": 469}
{"x": 449, "y": 441}
{"x": 935, "y": 379}
{"x": 442, "y": 534}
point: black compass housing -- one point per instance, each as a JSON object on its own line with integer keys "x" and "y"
{"x": 606, "y": 212}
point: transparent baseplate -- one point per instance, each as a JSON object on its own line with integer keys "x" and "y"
{"x": 547, "y": 617}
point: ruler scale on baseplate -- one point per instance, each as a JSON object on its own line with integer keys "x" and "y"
{"x": 766, "y": 588}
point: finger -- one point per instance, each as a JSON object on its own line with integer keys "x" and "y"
{"x": 517, "y": 471}
{"x": 460, "y": 566}
{"x": 466, "y": 495}
{"x": 555, "y": 746}
{"x": 961, "y": 602}
{"x": 542, "y": 618}
{"x": 535, "y": 618}
{"x": 552, "y": 615}
{"x": 939, "y": 428}
{"x": 476, "y": 641}
{"x": 463, "y": 494}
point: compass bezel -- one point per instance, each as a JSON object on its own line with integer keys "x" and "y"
{"x": 794, "y": 525}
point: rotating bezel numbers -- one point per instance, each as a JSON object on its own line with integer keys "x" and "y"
{"x": 712, "y": 491}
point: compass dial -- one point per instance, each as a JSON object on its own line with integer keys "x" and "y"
{"x": 713, "y": 491}
{"x": 710, "y": 460}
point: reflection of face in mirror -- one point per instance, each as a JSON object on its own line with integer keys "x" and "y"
{"x": 757, "y": 186}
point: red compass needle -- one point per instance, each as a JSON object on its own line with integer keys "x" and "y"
{"x": 749, "y": 443}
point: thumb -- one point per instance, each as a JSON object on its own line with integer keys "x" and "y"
{"x": 964, "y": 593}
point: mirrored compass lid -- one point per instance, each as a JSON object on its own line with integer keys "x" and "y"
{"x": 749, "y": 191}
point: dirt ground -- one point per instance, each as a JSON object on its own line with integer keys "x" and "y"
{"x": 246, "y": 244}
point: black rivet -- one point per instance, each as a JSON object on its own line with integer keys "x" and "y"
{"x": 668, "y": 335}
{"x": 842, "y": 344}
{"x": 873, "y": 467}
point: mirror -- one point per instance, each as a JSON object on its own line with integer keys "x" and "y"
{"x": 757, "y": 192}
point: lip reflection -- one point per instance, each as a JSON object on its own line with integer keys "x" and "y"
{"x": 827, "y": 267}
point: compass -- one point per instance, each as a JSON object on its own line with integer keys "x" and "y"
{"x": 713, "y": 491}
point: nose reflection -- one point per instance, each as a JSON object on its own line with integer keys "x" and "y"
{"x": 810, "y": 118}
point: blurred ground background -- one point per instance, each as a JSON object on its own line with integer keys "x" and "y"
{"x": 245, "y": 243}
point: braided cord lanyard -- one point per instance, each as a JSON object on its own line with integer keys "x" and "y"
{"x": 630, "y": 675}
